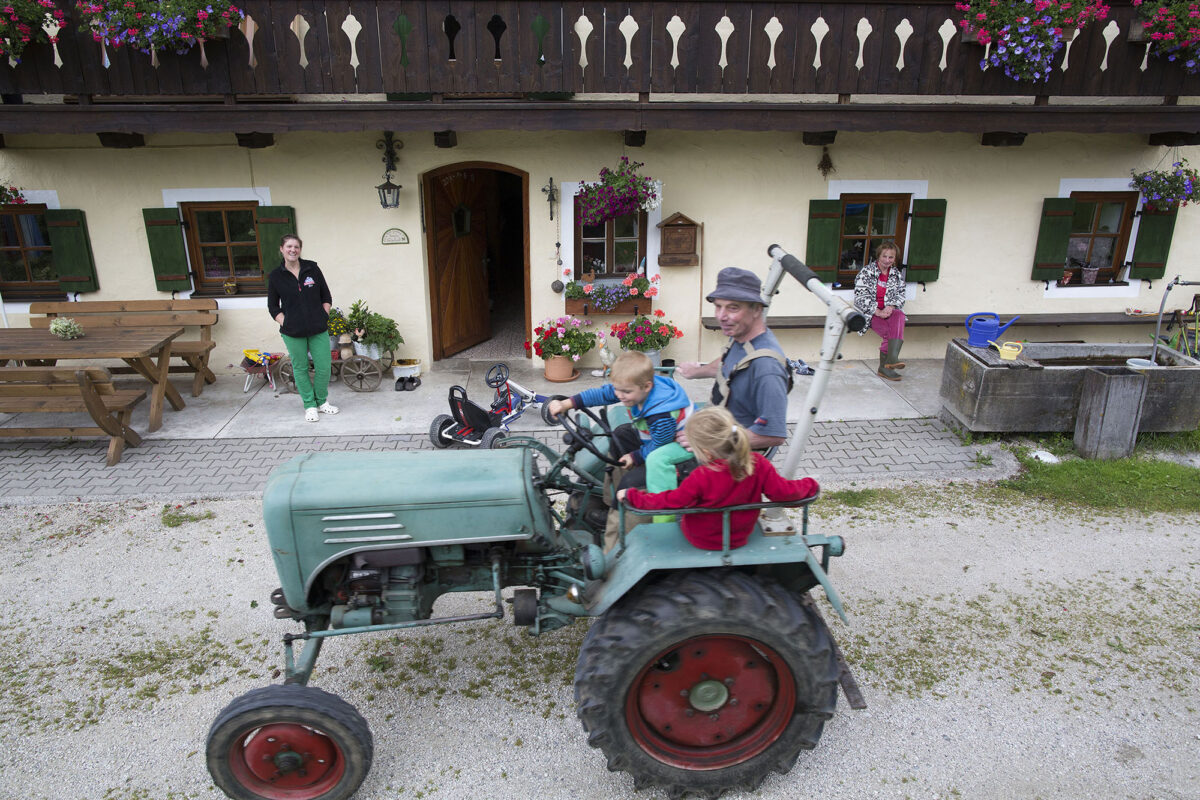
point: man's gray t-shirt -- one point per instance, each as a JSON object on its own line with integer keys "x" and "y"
{"x": 758, "y": 394}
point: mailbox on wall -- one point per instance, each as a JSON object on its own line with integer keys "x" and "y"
{"x": 680, "y": 242}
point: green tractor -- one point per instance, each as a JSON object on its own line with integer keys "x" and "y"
{"x": 702, "y": 672}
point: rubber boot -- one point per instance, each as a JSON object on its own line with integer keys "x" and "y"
{"x": 893, "y": 354}
{"x": 884, "y": 371}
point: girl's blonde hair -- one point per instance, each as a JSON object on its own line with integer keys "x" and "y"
{"x": 714, "y": 434}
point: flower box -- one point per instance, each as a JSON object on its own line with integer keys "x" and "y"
{"x": 630, "y": 307}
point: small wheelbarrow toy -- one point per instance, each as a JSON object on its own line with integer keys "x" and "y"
{"x": 703, "y": 671}
{"x": 360, "y": 372}
{"x": 471, "y": 425}
{"x": 260, "y": 363}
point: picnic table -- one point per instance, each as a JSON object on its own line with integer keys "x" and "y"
{"x": 146, "y": 350}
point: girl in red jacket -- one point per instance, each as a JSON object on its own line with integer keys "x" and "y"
{"x": 729, "y": 474}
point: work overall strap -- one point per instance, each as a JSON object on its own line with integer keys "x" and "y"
{"x": 721, "y": 390}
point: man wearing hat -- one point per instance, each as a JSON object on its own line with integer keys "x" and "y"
{"x": 752, "y": 374}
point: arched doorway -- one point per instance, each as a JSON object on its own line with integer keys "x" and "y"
{"x": 477, "y": 241}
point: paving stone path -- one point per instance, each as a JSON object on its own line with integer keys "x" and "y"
{"x": 33, "y": 471}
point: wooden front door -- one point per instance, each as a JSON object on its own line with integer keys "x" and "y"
{"x": 456, "y": 199}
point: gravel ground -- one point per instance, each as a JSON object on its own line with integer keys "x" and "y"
{"x": 1004, "y": 651}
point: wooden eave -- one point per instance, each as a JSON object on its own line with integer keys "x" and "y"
{"x": 588, "y": 116}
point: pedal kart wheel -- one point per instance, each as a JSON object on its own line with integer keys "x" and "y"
{"x": 361, "y": 374}
{"x": 706, "y": 682}
{"x": 441, "y": 424}
{"x": 497, "y": 376}
{"x": 490, "y": 437}
{"x": 289, "y": 741}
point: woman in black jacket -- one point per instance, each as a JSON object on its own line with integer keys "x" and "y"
{"x": 298, "y": 299}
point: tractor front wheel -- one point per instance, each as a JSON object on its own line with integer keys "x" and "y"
{"x": 705, "y": 682}
{"x": 289, "y": 742}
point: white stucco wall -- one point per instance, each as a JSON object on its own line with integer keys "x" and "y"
{"x": 749, "y": 191}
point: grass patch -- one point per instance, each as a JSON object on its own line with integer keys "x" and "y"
{"x": 860, "y": 498}
{"x": 1180, "y": 442}
{"x": 173, "y": 517}
{"x": 1128, "y": 483}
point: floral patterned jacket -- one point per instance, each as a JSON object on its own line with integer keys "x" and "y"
{"x": 864, "y": 290}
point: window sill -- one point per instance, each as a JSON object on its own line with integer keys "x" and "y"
{"x": 221, "y": 293}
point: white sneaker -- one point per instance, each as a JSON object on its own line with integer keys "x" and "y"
{"x": 311, "y": 415}
{"x": 326, "y": 408}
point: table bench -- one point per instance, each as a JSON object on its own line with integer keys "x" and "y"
{"x": 198, "y": 313}
{"x": 959, "y": 320}
{"x": 62, "y": 390}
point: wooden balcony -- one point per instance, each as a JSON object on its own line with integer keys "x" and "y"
{"x": 494, "y": 64}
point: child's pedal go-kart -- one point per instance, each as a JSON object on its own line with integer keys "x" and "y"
{"x": 470, "y": 424}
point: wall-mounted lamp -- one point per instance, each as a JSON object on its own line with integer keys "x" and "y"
{"x": 389, "y": 193}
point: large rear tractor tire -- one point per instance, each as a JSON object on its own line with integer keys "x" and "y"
{"x": 289, "y": 742}
{"x": 705, "y": 682}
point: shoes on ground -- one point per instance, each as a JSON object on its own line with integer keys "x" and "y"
{"x": 311, "y": 415}
{"x": 327, "y": 408}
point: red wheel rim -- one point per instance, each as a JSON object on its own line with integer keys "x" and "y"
{"x": 711, "y": 702}
{"x": 286, "y": 761}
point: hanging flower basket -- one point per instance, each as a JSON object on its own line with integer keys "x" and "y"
{"x": 21, "y": 22}
{"x": 1173, "y": 29}
{"x": 1165, "y": 189}
{"x": 1026, "y": 36}
{"x": 149, "y": 25}
{"x": 618, "y": 192}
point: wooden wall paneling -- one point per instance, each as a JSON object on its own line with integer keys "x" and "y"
{"x": 463, "y": 73}
{"x": 440, "y": 67}
{"x": 341, "y": 73}
{"x": 1074, "y": 79}
{"x": 508, "y": 71}
{"x": 218, "y": 66}
{"x": 317, "y": 73}
{"x": 121, "y": 67}
{"x": 1092, "y": 78}
{"x": 844, "y": 39}
{"x": 484, "y": 75}
{"x": 928, "y": 42}
{"x": 826, "y": 77}
{"x": 889, "y": 79}
{"x": 287, "y": 47}
{"x": 762, "y": 79}
{"x": 578, "y": 79}
{"x": 95, "y": 76}
{"x": 662, "y": 74}
{"x": 25, "y": 78}
{"x": 534, "y": 75}
{"x": 170, "y": 78}
{"x": 41, "y": 57}
{"x": 735, "y": 79}
{"x": 1124, "y": 57}
{"x": 804, "y": 77}
{"x": 708, "y": 50}
{"x": 263, "y": 78}
{"x": 420, "y": 49}
{"x": 691, "y": 48}
{"x": 370, "y": 73}
{"x": 867, "y": 79}
{"x": 637, "y": 77}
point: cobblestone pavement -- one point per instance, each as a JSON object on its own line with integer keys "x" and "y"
{"x": 35, "y": 471}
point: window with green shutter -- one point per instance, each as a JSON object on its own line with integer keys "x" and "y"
{"x": 44, "y": 253}
{"x": 1153, "y": 243}
{"x": 1088, "y": 230}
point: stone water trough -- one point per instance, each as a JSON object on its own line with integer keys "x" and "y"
{"x": 1041, "y": 389}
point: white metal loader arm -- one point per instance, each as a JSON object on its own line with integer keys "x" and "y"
{"x": 839, "y": 317}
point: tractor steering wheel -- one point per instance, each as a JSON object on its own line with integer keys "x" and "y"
{"x": 582, "y": 436}
{"x": 497, "y": 375}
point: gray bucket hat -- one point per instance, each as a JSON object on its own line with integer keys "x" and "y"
{"x": 735, "y": 283}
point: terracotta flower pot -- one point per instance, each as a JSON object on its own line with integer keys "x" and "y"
{"x": 560, "y": 369}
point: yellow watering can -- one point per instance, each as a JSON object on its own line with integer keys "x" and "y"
{"x": 1009, "y": 350}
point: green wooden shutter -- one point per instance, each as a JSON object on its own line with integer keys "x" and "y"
{"x": 1053, "y": 237}
{"x": 71, "y": 250}
{"x": 168, "y": 255}
{"x": 925, "y": 240}
{"x": 824, "y": 236}
{"x": 273, "y": 223}
{"x": 1153, "y": 243}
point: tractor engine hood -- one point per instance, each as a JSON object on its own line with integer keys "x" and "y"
{"x": 322, "y": 507}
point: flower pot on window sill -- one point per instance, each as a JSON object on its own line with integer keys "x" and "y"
{"x": 630, "y": 307}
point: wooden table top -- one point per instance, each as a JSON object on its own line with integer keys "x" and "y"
{"x": 32, "y": 344}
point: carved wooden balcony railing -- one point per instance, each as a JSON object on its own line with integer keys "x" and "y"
{"x": 515, "y": 48}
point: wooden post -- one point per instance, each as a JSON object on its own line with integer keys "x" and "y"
{"x": 1110, "y": 408}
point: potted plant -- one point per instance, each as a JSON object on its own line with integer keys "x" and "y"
{"x": 150, "y": 25}
{"x": 11, "y": 196}
{"x": 22, "y": 21}
{"x": 374, "y": 334}
{"x": 1165, "y": 189}
{"x": 648, "y": 334}
{"x": 1025, "y": 36}
{"x": 339, "y": 333}
{"x": 560, "y": 342}
{"x": 1173, "y": 28}
{"x": 618, "y": 192}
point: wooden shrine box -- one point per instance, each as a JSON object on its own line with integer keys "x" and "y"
{"x": 680, "y": 242}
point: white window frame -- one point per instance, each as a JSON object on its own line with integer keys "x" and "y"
{"x": 918, "y": 190}
{"x": 566, "y": 215}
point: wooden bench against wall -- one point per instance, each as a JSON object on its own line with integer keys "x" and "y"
{"x": 199, "y": 313}
{"x": 959, "y": 320}
{"x": 64, "y": 390}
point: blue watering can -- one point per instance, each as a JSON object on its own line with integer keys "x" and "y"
{"x": 981, "y": 329}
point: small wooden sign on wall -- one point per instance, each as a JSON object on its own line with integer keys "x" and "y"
{"x": 680, "y": 242}
{"x": 394, "y": 236}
